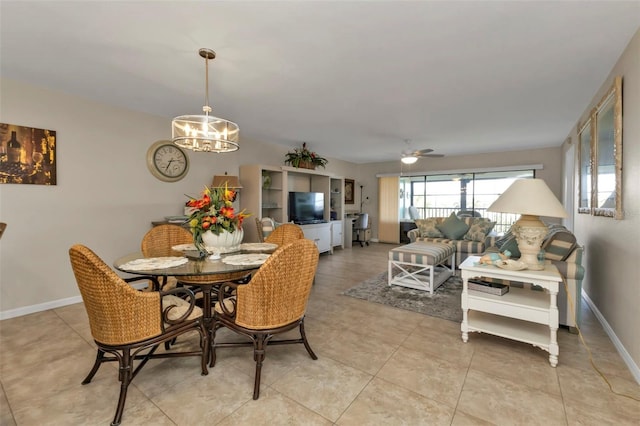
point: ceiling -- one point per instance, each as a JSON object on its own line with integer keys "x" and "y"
{"x": 352, "y": 79}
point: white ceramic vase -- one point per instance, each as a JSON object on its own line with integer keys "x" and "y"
{"x": 225, "y": 242}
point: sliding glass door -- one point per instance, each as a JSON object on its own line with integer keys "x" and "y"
{"x": 466, "y": 194}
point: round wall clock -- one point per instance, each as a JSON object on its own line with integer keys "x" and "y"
{"x": 167, "y": 161}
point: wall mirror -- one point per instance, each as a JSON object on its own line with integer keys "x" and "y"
{"x": 584, "y": 167}
{"x": 607, "y": 154}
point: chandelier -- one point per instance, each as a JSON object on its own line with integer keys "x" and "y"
{"x": 205, "y": 132}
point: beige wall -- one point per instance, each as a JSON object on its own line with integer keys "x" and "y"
{"x": 105, "y": 197}
{"x": 612, "y": 247}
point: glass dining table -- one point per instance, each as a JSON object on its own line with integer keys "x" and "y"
{"x": 206, "y": 273}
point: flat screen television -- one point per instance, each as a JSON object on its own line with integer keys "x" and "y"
{"x": 306, "y": 207}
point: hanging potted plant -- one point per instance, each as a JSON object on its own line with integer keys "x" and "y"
{"x": 304, "y": 158}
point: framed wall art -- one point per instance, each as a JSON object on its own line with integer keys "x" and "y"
{"x": 349, "y": 191}
{"x": 27, "y": 155}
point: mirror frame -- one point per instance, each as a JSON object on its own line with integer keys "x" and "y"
{"x": 585, "y": 167}
{"x": 612, "y": 155}
{"x": 592, "y": 153}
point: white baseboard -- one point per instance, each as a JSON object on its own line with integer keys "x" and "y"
{"x": 633, "y": 367}
{"x": 26, "y": 310}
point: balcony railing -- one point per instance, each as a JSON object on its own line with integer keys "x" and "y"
{"x": 503, "y": 220}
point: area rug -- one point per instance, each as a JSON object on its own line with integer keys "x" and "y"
{"x": 445, "y": 302}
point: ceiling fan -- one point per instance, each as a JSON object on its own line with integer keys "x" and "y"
{"x": 410, "y": 156}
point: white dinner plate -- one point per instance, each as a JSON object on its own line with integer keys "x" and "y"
{"x": 252, "y": 259}
{"x": 258, "y": 246}
{"x": 151, "y": 263}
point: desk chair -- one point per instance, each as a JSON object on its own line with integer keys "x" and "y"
{"x": 360, "y": 227}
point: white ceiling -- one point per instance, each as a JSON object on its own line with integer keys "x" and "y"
{"x": 353, "y": 79}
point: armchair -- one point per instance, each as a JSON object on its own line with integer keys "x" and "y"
{"x": 284, "y": 234}
{"x": 273, "y": 302}
{"x": 130, "y": 324}
{"x": 157, "y": 242}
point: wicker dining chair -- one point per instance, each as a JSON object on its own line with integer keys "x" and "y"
{"x": 284, "y": 234}
{"x": 157, "y": 242}
{"x": 273, "y": 302}
{"x": 260, "y": 232}
{"x": 130, "y": 324}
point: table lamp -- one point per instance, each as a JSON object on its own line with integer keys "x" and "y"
{"x": 530, "y": 198}
{"x": 232, "y": 182}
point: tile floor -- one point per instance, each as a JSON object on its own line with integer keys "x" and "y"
{"x": 377, "y": 366}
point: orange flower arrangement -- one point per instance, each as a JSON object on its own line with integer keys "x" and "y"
{"x": 214, "y": 212}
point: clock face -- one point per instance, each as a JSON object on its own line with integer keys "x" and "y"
{"x": 167, "y": 161}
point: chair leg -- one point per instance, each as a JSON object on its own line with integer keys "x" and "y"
{"x": 204, "y": 345}
{"x": 305, "y": 342}
{"x": 258, "y": 356}
{"x": 96, "y": 366}
{"x": 125, "y": 378}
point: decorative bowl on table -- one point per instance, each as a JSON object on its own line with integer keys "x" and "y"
{"x": 511, "y": 265}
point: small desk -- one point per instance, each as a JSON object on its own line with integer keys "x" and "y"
{"x": 348, "y": 230}
{"x": 204, "y": 273}
{"x": 521, "y": 314}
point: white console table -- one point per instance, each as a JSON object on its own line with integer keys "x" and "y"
{"x": 521, "y": 314}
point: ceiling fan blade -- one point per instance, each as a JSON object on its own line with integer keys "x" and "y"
{"x": 422, "y": 152}
{"x": 433, "y": 155}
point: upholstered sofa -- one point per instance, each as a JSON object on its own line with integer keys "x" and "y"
{"x": 470, "y": 236}
{"x": 560, "y": 248}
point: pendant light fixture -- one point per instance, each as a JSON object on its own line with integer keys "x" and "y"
{"x": 205, "y": 132}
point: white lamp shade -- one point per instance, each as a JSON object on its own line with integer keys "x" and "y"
{"x": 529, "y": 197}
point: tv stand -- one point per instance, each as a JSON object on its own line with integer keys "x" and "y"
{"x": 266, "y": 194}
{"x": 310, "y": 222}
{"x": 320, "y": 234}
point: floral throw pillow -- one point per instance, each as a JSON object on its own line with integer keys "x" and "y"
{"x": 478, "y": 230}
{"x": 427, "y": 228}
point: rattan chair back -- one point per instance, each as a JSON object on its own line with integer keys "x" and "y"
{"x": 3, "y": 226}
{"x": 159, "y": 240}
{"x": 118, "y": 314}
{"x": 259, "y": 228}
{"x": 128, "y": 325}
{"x": 285, "y": 234}
{"x": 278, "y": 293}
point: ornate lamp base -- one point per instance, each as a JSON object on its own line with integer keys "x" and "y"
{"x": 530, "y": 232}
